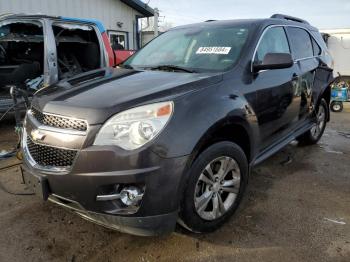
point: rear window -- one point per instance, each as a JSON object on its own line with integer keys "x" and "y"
{"x": 300, "y": 41}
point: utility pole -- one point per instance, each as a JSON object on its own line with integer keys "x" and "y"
{"x": 156, "y": 17}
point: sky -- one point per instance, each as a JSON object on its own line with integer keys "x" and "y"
{"x": 324, "y": 14}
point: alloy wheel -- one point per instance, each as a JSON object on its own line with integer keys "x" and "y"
{"x": 217, "y": 188}
{"x": 317, "y": 129}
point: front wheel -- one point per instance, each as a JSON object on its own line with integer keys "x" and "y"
{"x": 315, "y": 133}
{"x": 337, "y": 106}
{"x": 216, "y": 183}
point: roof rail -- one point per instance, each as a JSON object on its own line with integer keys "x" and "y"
{"x": 210, "y": 20}
{"x": 6, "y": 15}
{"x": 291, "y": 18}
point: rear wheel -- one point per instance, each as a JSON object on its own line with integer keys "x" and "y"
{"x": 315, "y": 133}
{"x": 337, "y": 106}
{"x": 217, "y": 180}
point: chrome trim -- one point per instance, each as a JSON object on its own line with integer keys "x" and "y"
{"x": 56, "y": 129}
{"x": 107, "y": 197}
{"x": 73, "y": 205}
{"x": 295, "y": 60}
{"x": 305, "y": 58}
{"x": 80, "y": 210}
{"x": 34, "y": 164}
{"x": 54, "y": 146}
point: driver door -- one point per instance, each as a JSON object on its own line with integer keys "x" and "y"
{"x": 276, "y": 107}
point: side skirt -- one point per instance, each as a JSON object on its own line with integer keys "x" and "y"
{"x": 280, "y": 144}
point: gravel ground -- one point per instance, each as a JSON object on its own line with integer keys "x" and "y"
{"x": 297, "y": 208}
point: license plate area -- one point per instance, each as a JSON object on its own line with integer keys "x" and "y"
{"x": 39, "y": 184}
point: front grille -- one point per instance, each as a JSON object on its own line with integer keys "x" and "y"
{"x": 59, "y": 121}
{"x": 5, "y": 96}
{"x": 50, "y": 156}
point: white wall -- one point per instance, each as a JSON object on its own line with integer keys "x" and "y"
{"x": 109, "y": 12}
{"x": 146, "y": 37}
{"x": 339, "y": 46}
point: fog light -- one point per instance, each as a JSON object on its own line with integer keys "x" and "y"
{"x": 131, "y": 196}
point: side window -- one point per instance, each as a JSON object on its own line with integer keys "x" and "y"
{"x": 316, "y": 47}
{"x": 300, "y": 43}
{"x": 273, "y": 41}
{"x": 118, "y": 40}
{"x": 78, "y": 48}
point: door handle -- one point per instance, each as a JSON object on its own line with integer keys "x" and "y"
{"x": 295, "y": 76}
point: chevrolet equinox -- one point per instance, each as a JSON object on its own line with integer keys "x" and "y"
{"x": 172, "y": 134}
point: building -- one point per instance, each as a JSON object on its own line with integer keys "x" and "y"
{"x": 120, "y": 17}
{"x": 148, "y": 28}
{"x": 151, "y": 27}
{"x": 147, "y": 36}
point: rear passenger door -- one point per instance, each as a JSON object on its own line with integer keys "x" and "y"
{"x": 276, "y": 108}
{"x": 304, "y": 51}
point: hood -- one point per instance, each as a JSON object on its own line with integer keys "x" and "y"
{"x": 97, "y": 95}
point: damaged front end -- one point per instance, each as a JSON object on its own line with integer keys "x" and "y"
{"x": 21, "y": 58}
{"x": 37, "y": 52}
{"x": 78, "y": 49}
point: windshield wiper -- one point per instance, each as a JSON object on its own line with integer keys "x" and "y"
{"x": 172, "y": 67}
{"x": 126, "y": 66}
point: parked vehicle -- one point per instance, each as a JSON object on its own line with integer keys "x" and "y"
{"x": 37, "y": 51}
{"x": 172, "y": 136}
{"x": 338, "y": 42}
{"x": 340, "y": 94}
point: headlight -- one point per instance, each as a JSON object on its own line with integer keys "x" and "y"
{"x": 135, "y": 127}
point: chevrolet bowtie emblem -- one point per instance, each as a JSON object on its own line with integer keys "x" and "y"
{"x": 37, "y": 135}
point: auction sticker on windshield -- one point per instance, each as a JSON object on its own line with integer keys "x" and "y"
{"x": 221, "y": 50}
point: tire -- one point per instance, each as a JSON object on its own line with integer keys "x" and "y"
{"x": 312, "y": 136}
{"x": 337, "y": 106}
{"x": 230, "y": 190}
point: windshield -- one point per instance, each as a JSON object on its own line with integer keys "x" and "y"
{"x": 199, "y": 49}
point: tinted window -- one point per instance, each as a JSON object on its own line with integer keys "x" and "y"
{"x": 300, "y": 43}
{"x": 316, "y": 47}
{"x": 320, "y": 39}
{"x": 273, "y": 41}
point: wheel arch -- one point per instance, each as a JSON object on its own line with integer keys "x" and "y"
{"x": 236, "y": 130}
{"x": 327, "y": 96}
{"x": 325, "y": 93}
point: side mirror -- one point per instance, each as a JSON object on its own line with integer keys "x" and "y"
{"x": 274, "y": 61}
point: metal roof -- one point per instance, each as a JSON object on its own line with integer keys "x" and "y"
{"x": 140, "y": 7}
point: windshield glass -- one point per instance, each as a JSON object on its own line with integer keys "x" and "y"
{"x": 199, "y": 49}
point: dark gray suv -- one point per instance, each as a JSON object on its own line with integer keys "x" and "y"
{"x": 172, "y": 135}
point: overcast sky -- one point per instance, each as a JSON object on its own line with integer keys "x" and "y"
{"x": 324, "y": 14}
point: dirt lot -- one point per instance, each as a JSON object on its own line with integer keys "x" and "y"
{"x": 297, "y": 208}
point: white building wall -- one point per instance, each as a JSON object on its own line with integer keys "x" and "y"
{"x": 109, "y": 12}
{"x": 339, "y": 47}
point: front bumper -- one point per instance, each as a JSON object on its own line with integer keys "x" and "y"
{"x": 141, "y": 226}
{"x": 76, "y": 174}
{"x": 96, "y": 169}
